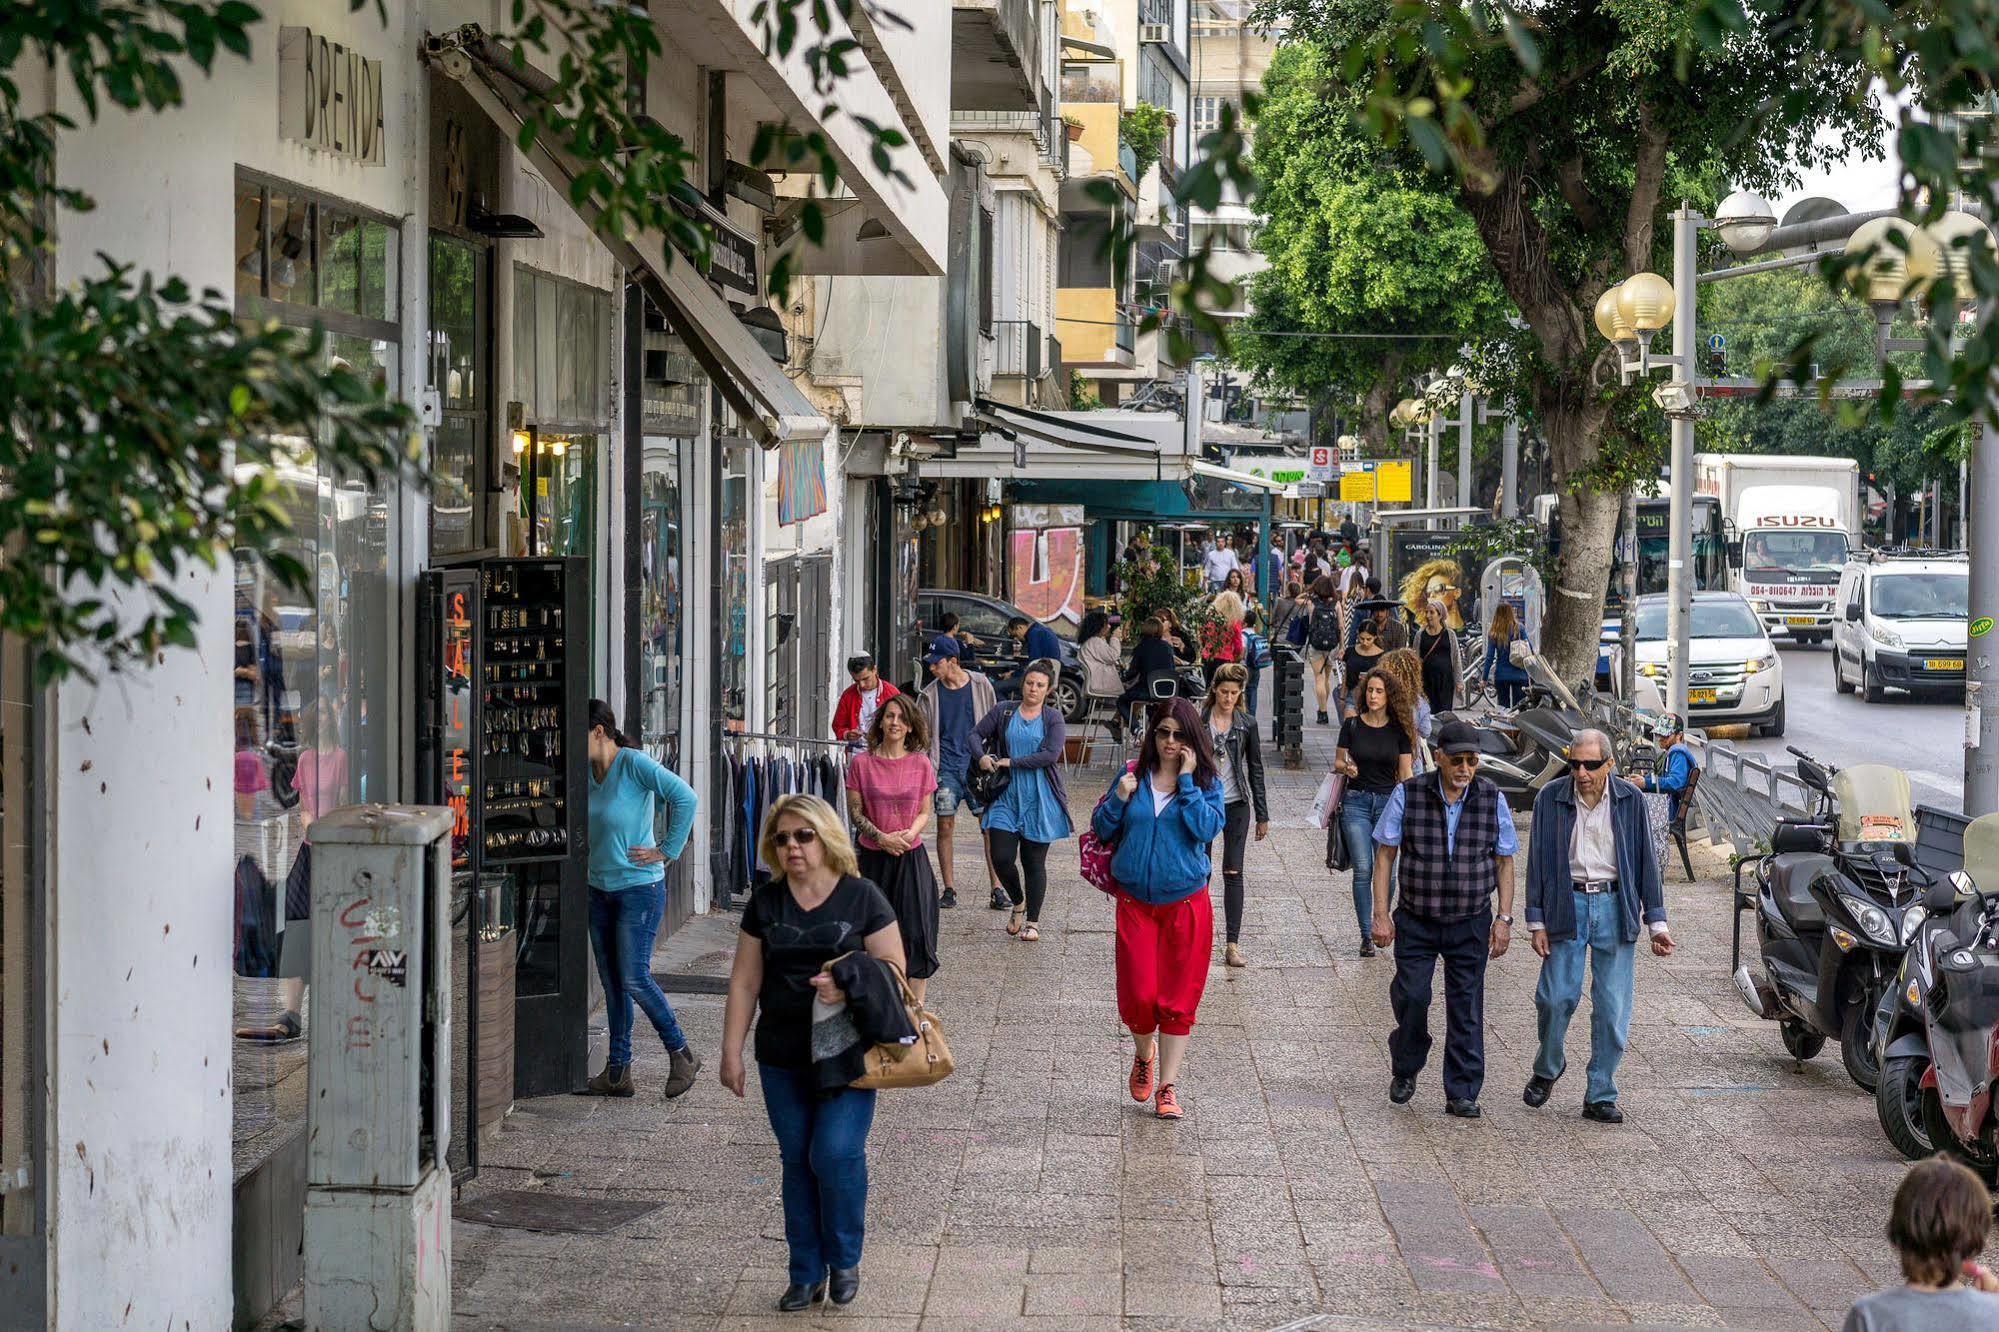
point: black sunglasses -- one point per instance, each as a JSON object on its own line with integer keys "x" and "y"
{"x": 1167, "y": 732}
{"x": 1456, "y": 760}
{"x": 1592, "y": 764}
{"x": 802, "y": 836}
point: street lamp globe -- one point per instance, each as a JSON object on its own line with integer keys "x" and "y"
{"x": 1404, "y": 414}
{"x": 1745, "y": 221}
{"x": 1956, "y": 235}
{"x": 1610, "y": 320}
{"x": 1900, "y": 260}
{"x": 1349, "y": 444}
{"x": 1646, "y": 302}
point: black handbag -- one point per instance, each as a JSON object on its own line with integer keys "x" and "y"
{"x": 1338, "y": 859}
{"x": 986, "y": 786}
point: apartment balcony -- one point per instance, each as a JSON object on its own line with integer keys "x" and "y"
{"x": 995, "y": 56}
{"x": 1093, "y": 328}
{"x": 1099, "y": 150}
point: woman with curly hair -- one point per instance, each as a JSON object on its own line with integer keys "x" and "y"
{"x": 1376, "y": 745}
{"x": 1407, "y": 669}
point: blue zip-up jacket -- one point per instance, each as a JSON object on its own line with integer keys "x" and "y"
{"x": 1551, "y": 899}
{"x": 1501, "y": 662}
{"x": 1679, "y": 771}
{"x": 1164, "y": 857}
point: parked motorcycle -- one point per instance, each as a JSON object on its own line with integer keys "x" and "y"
{"x": 1522, "y": 750}
{"x": 1837, "y": 900}
{"x": 1938, "y": 1025}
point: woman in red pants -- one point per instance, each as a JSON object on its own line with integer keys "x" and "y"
{"x": 1161, "y": 818}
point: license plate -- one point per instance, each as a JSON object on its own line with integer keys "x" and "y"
{"x": 1805, "y": 620}
{"x": 1943, "y": 664}
{"x": 1701, "y": 696}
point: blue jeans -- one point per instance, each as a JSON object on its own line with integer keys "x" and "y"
{"x": 823, "y": 1142}
{"x": 623, "y": 926}
{"x": 1358, "y": 813}
{"x": 1599, "y": 935}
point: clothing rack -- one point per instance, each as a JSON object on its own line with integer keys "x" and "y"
{"x": 759, "y": 766}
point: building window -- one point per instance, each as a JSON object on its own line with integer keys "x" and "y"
{"x": 457, "y": 365}
{"x": 314, "y": 669}
{"x": 1208, "y": 115}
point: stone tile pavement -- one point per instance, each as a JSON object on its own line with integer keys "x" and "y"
{"x": 1027, "y": 1191}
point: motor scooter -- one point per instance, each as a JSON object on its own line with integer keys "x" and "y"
{"x": 1938, "y": 1025}
{"x": 1836, "y": 901}
{"x": 1522, "y": 749}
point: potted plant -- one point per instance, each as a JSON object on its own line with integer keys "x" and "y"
{"x": 1074, "y": 126}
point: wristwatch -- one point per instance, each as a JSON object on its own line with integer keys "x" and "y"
{"x": 1506, "y": 920}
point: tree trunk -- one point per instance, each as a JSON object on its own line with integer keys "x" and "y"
{"x": 1383, "y": 392}
{"x": 1574, "y": 621}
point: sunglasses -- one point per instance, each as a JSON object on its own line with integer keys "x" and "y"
{"x": 800, "y": 836}
{"x": 1461, "y": 760}
{"x": 1592, "y": 764}
{"x": 1167, "y": 732}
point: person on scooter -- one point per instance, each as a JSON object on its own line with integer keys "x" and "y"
{"x": 1941, "y": 1215}
{"x": 1591, "y": 879}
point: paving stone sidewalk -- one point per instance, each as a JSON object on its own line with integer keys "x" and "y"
{"x": 1028, "y": 1191}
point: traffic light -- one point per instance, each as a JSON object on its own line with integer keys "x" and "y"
{"x": 1717, "y": 363}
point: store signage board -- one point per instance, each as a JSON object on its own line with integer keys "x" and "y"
{"x": 1324, "y": 463}
{"x": 329, "y": 97}
{"x": 1394, "y": 481}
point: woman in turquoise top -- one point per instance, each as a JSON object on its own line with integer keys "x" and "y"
{"x": 628, "y": 895}
{"x": 1026, "y": 739}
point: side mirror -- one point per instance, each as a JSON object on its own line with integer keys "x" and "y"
{"x": 1941, "y": 899}
{"x": 1852, "y": 612}
{"x": 1735, "y": 554}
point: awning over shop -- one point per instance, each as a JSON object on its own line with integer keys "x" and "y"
{"x": 770, "y": 404}
{"x": 1247, "y": 480}
{"x": 1065, "y": 431}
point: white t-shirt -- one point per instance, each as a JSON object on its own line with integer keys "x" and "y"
{"x": 1159, "y": 797}
{"x": 870, "y": 704}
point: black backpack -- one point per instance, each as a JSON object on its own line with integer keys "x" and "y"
{"x": 1324, "y": 630}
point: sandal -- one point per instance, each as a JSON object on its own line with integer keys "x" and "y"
{"x": 1029, "y": 934}
{"x": 1013, "y": 921}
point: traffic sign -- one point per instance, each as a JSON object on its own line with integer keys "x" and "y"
{"x": 1716, "y": 342}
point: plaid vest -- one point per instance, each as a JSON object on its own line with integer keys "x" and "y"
{"x": 1439, "y": 883}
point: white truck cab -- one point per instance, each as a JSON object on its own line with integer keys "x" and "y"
{"x": 1792, "y": 521}
{"x": 1902, "y": 625}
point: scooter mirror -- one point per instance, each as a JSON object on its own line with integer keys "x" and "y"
{"x": 1941, "y": 899}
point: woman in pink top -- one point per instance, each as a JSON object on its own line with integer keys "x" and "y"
{"x": 321, "y": 778}
{"x": 888, "y": 799}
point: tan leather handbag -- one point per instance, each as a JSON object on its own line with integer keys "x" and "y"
{"x": 893, "y": 1065}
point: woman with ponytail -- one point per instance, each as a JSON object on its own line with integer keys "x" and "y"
{"x": 628, "y": 895}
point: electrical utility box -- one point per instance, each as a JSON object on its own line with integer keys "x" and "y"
{"x": 378, "y": 1191}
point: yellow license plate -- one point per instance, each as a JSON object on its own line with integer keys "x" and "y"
{"x": 1943, "y": 664}
{"x": 1805, "y": 620}
{"x": 1701, "y": 696}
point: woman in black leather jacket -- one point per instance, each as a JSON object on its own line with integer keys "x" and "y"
{"x": 1239, "y": 757}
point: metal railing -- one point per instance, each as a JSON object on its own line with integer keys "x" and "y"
{"x": 1019, "y": 348}
{"x": 1127, "y": 332}
{"x": 1741, "y": 796}
{"x": 1128, "y": 160}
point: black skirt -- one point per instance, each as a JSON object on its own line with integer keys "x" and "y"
{"x": 911, "y": 890}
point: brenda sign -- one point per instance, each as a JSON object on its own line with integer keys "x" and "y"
{"x": 329, "y": 97}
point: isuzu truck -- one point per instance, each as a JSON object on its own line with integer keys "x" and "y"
{"x": 1791, "y": 522}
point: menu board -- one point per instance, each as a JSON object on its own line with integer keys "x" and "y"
{"x": 524, "y": 723}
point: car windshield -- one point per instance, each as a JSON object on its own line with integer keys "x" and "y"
{"x": 1922, "y": 596}
{"x": 1712, "y": 619}
{"x": 1793, "y": 552}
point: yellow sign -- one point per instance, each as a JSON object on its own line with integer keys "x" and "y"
{"x": 1395, "y": 481}
{"x": 1357, "y": 487}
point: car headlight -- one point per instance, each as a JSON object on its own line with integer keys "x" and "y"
{"x": 1766, "y": 662}
{"x": 1912, "y": 920}
{"x": 1885, "y": 636}
{"x": 1873, "y": 921}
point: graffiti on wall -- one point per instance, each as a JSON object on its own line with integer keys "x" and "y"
{"x": 1044, "y": 571}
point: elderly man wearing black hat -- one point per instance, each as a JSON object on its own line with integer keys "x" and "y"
{"x": 1453, "y": 836}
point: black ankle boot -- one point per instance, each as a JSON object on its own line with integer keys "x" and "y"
{"x": 846, "y": 1284}
{"x": 798, "y": 1297}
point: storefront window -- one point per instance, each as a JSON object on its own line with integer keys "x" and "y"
{"x": 457, "y": 363}
{"x": 660, "y": 604}
{"x": 313, "y": 671}
{"x": 733, "y": 518}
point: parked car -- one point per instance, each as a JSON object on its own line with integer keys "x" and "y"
{"x": 1901, "y": 622}
{"x": 986, "y": 618}
{"x": 1734, "y": 672}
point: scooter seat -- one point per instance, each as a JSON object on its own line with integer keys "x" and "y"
{"x": 1791, "y": 876}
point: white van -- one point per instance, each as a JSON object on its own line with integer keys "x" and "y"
{"x": 1901, "y": 623}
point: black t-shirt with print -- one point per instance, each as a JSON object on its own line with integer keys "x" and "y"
{"x": 797, "y": 945}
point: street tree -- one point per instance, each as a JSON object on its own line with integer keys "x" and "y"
{"x": 1375, "y": 276}
{"x": 1563, "y": 131}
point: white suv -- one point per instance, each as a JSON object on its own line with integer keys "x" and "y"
{"x": 1734, "y": 673}
{"x": 1900, "y": 622}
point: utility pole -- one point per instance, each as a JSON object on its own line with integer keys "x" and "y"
{"x": 1465, "y": 419}
{"x": 1981, "y": 673}
{"x": 1434, "y": 429}
{"x": 1509, "y": 473}
{"x": 1680, "y": 534}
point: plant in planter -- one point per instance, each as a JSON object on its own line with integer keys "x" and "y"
{"x": 1143, "y": 129}
{"x": 1073, "y": 126}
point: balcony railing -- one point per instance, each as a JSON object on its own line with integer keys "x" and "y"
{"x": 1093, "y": 81}
{"x": 1127, "y": 332}
{"x": 1127, "y": 159}
{"x": 1019, "y": 348}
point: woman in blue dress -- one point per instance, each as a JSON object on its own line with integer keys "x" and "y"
{"x": 1026, "y": 740}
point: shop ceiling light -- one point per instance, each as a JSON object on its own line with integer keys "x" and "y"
{"x": 520, "y": 441}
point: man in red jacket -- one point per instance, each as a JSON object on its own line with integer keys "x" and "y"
{"x": 860, "y": 700}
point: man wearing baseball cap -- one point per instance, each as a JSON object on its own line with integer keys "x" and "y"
{"x": 1453, "y": 837}
{"x": 1670, "y": 732}
{"x": 952, "y": 702}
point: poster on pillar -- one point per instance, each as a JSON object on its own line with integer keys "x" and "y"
{"x": 1394, "y": 482}
{"x": 801, "y": 480}
{"x": 1044, "y": 561}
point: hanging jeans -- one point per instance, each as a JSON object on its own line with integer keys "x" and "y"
{"x": 823, "y": 1143}
{"x": 623, "y": 926}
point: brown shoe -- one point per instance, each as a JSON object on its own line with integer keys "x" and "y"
{"x": 683, "y": 1064}
{"x": 1232, "y": 956}
{"x": 615, "y": 1080}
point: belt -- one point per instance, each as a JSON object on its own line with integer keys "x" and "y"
{"x": 1600, "y": 886}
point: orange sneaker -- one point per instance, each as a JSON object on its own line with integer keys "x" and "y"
{"x": 1168, "y": 1105}
{"x": 1141, "y": 1076}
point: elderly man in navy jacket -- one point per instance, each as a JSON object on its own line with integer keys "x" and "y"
{"x": 1592, "y": 885}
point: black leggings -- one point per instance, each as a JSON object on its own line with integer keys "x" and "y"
{"x": 1033, "y": 857}
{"x": 1235, "y": 842}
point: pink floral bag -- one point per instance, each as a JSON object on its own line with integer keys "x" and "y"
{"x": 1096, "y": 853}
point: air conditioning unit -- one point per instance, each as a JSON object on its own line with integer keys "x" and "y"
{"x": 1161, "y": 33}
